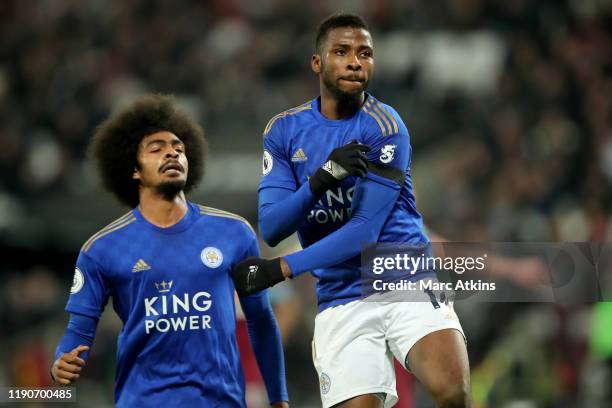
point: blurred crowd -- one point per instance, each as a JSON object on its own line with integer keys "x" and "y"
{"x": 507, "y": 103}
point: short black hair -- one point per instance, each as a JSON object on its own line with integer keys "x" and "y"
{"x": 335, "y": 21}
{"x": 114, "y": 146}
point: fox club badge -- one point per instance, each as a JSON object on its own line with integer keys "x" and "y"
{"x": 211, "y": 257}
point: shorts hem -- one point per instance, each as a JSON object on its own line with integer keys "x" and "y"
{"x": 391, "y": 399}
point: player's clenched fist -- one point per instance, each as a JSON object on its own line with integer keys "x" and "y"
{"x": 348, "y": 160}
{"x": 67, "y": 369}
{"x": 255, "y": 274}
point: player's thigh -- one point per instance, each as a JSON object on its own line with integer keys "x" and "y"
{"x": 428, "y": 339}
{"x": 351, "y": 355}
{"x": 440, "y": 361}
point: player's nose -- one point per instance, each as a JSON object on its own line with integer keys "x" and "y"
{"x": 172, "y": 153}
{"x": 354, "y": 64}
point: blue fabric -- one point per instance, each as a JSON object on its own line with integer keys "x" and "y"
{"x": 81, "y": 330}
{"x": 281, "y": 211}
{"x": 267, "y": 344}
{"x": 372, "y": 204}
{"x": 173, "y": 291}
{"x": 296, "y": 143}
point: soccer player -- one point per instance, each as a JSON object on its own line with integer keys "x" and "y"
{"x": 166, "y": 264}
{"x": 336, "y": 169}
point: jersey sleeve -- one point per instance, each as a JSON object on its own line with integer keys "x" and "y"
{"x": 252, "y": 244}
{"x": 265, "y": 335}
{"x": 90, "y": 290}
{"x": 276, "y": 167}
{"x": 389, "y": 159}
{"x": 251, "y": 249}
{"x": 81, "y": 330}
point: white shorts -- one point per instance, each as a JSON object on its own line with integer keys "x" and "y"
{"x": 354, "y": 345}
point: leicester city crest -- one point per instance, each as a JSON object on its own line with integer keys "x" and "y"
{"x": 325, "y": 383}
{"x": 211, "y": 257}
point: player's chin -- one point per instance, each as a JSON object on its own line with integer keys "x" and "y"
{"x": 171, "y": 187}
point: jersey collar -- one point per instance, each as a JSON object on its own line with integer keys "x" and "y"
{"x": 316, "y": 109}
{"x": 185, "y": 222}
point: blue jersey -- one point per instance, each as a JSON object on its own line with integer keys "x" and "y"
{"x": 172, "y": 289}
{"x": 298, "y": 141}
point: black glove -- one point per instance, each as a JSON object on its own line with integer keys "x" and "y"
{"x": 255, "y": 274}
{"x": 348, "y": 160}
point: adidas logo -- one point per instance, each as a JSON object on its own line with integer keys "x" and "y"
{"x": 299, "y": 156}
{"x": 140, "y": 266}
{"x": 328, "y": 167}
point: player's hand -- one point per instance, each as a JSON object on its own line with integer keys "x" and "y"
{"x": 348, "y": 160}
{"x": 255, "y": 274}
{"x": 67, "y": 369}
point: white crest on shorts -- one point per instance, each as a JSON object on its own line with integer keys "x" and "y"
{"x": 77, "y": 281}
{"x": 387, "y": 152}
{"x": 211, "y": 257}
{"x": 325, "y": 382}
{"x": 267, "y": 162}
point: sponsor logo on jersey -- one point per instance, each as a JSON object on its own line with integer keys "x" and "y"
{"x": 78, "y": 280}
{"x": 334, "y": 206}
{"x": 299, "y": 156}
{"x": 163, "y": 286}
{"x": 140, "y": 266}
{"x": 172, "y": 312}
{"x": 267, "y": 163}
{"x": 386, "y": 153}
{"x": 211, "y": 257}
{"x": 325, "y": 382}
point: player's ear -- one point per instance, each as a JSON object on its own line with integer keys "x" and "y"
{"x": 315, "y": 63}
{"x": 136, "y": 174}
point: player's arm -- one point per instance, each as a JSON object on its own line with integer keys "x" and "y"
{"x": 282, "y": 211}
{"x": 372, "y": 204}
{"x": 73, "y": 349}
{"x": 282, "y": 208}
{"x": 266, "y": 340}
{"x": 373, "y": 201}
{"x": 88, "y": 296}
{"x": 267, "y": 345}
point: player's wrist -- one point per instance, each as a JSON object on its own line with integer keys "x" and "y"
{"x": 321, "y": 181}
{"x": 286, "y": 268}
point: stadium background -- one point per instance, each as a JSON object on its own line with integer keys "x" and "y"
{"x": 507, "y": 102}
